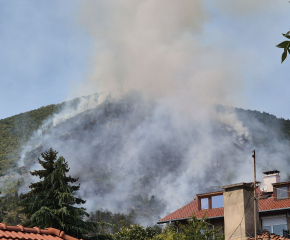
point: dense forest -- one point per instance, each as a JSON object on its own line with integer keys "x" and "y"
{"x": 100, "y": 136}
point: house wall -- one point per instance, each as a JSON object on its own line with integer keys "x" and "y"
{"x": 218, "y": 223}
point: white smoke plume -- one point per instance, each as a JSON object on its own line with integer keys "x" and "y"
{"x": 153, "y": 47}
{"x": 69, "y": 110}
{"x": 156, "y": 129}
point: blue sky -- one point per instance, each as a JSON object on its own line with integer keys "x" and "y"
{"x": 45, "y": 51}
{"x": 42, "y": 53}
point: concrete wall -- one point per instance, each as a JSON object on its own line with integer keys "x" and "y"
{"x": 239, "y": 211}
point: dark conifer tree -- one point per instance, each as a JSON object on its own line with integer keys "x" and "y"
{"x": 51, "y": 201}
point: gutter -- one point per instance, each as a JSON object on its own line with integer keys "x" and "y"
{"x": 174, "y": 220}
{"x": 182, "y": 219}
{"x": 272, "y": 210}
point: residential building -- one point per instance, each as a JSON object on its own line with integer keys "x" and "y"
{"x": 233, "y": 208}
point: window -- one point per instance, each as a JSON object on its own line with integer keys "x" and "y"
{"x": 275, "y": 224}
{"x": 209, "y": 202}
{"x": 204, "y": 203}
{"x": 269, "y": 228}
{"x": 217, "y": 201}
{"x": 278, "y": 229}
{"x": 282, "y": 192}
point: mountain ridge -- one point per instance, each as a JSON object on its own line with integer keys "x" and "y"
{"x": 131, "y": 151}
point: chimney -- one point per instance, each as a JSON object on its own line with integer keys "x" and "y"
{"x": 269, "y": 178}
{"x": 239, "y": 211}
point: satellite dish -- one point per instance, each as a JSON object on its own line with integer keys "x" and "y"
{"x": 263, "y": 187}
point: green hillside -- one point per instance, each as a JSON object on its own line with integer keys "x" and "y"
{"x": 16, "y": 130}
{"x": 271, "y": 122}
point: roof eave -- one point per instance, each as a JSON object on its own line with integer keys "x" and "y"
{"x": 276, "y": 209}
{"x": 182, "y": 219}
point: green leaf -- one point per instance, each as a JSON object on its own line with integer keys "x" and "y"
{"x": 284, "y": 55}
{"x": 283, "y": 44}
{"x": 286, "y": 35}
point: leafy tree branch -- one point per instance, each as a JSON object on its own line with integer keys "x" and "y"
{"x": 285, "y": 45}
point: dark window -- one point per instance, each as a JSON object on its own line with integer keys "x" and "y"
{"x": 204, "y": 203}
{"x": 282, "y": 192}
{"x": 278, "y": 229}
{"x": 217, "y": 201}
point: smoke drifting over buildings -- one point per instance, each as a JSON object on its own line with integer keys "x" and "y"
{"x": 154, "y": 128}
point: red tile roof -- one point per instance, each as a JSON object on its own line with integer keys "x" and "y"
{"x": 20, "y": 232}
{"x": 265, "y": 235}
{"x": 192, "y": 208}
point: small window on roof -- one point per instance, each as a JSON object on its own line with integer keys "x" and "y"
{"x": 204, "y": 203}
{"x": 217, "y": 201}
{"x": 282, "y": 192}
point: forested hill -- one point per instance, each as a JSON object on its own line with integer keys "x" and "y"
{"x": 16, "y": 130}
{"x": 279, "y": 125}
{"x": 262, "y": 137}
{"x": 132, "y": 155}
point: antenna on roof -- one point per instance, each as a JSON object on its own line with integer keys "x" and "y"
{"x": 263, "y": 187}
{"x": 255, "y": 196}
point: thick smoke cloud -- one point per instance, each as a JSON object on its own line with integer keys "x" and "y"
{"x": 243, "y": 9}
{"x": 152, "y": 47}
{"x": 133, "y": 147}
{"x": 154, "y": 128}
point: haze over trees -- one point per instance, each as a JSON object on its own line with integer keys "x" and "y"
{"x": 51, "y": 203}
{"x": 100, "y": 134}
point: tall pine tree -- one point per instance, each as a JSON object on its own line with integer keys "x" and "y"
{"x": 51, "y": 201}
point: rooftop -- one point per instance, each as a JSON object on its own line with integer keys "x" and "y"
{"x": 271, "y": 172}
{"x": 266, "y": 203}
{"x": 20, "y": 232}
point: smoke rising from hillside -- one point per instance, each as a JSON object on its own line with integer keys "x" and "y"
{"x": 155, "y": 129}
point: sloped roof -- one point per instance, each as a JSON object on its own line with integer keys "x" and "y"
{"x": 265, "y": 235}
{"x": 185, "y": 212}
{"x": 20, "y": 232}
{"x": 192, "y": 208}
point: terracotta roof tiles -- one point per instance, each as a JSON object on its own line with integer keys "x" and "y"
{"x": 265, "y": 235}
{"x": 191, "y": 208}
{"x": 20, "y": 232}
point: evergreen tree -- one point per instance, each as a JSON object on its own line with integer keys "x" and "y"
{"x": 51, "y": 201}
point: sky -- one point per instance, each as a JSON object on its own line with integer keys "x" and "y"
{"x": 47, "y": 49}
